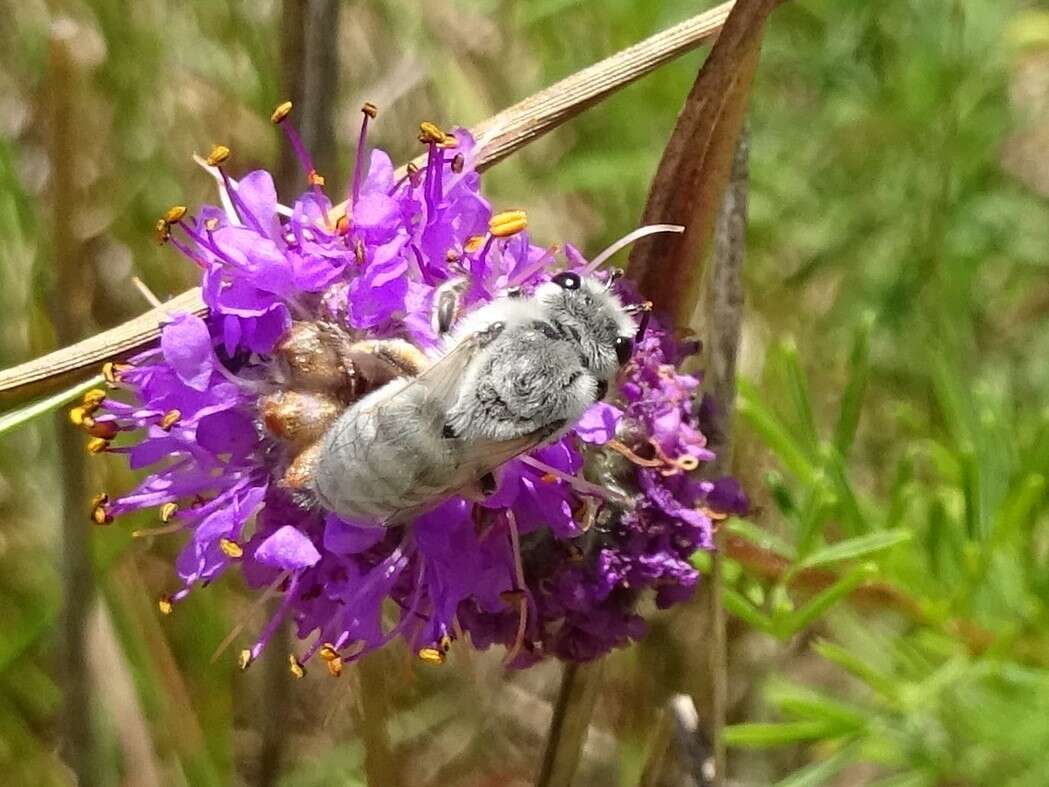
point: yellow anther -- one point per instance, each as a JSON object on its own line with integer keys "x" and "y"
{"x": 473, "y": 243}
{"x": 688, "y": 462}
{"x": 334, "y": 666}
{"x": 412, "y": 168}
{"x": 548, "y": 478}
{"x": 342, "y": 224}
{"x": 99, "y": 513}
{"x": 93, "y": 399}
{"x": 359, "y": 252}
{"x": 171, "y": 417}
{"x": 77, "y": 415}
{"x": 244, "y": 659}
{"x": 445, "y": 643}
{"x": 175, "y": 214}
{"x": 457, "y": 163}
{"x": 315, "y": 178}
{"x": 281, "y": 112}
{"x": 431, "y": 655}
{"x": 165, "y": 605}
{"x": 328, "y": 652}
{"x": 111, "y": 371}
{"x": 449, "y": 141}
{"x": 507, "y": 223}
{"x": 452, "y": 255}
{"x": 431, "y": 133}
{"x": 97, "y": 445}
{"x": 211, "y": 224}
{"x": 218, "y": 155}
{"x": 370, "y": 109}
{"x": 167, "y": 511}
{"x": 294, "y": 665}
{"x": 161, "y": 231}
{"x": 231, "y": 548}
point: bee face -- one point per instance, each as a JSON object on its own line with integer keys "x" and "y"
{"x": 583, "y": 307}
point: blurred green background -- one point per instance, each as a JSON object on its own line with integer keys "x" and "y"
{"x": 889, "y": 597}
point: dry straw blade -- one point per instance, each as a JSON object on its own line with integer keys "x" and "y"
{"x": 498, "y": 137}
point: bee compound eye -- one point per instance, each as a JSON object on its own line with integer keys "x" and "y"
{"x": 624, "y": 349}
{"x": 567, "y": 280}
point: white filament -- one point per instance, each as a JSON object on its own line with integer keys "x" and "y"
{"x": 227, "y": 203}
{"x": 626, "y": 240}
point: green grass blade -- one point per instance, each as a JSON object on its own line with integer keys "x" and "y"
{"x": 855, "y": 387}
{"x": 773, "y": 433}
{"x": 858, "y": 668}
{"x": 739, "y": 606}
{"x": 759, "y": 735}
{"x": 748, "y": 531}
{"x": 17, "y": 418}
{"x": 824, "y": 600}
{"x": 798, "y": 392}
{"x": 819, "y": 773}
{"x": 853, "y": 548}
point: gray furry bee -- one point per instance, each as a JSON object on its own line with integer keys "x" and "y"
{"x": 516, "y": 374}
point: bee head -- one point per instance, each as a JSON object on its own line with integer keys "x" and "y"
{"x": 583, "y": 309}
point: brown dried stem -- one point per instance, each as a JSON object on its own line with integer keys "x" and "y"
{"x": 69, "y": 316}
{"x": 695, "y": 167}
{"x": 724, "y": 315}
{"x": 499, "y": 136}
{"x": 570, "y": 723}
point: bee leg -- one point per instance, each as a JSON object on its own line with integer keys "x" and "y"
{"x": 311, "y": 355}
{"x": 298, "y": 477}
{"x": 297, "y": 417}
{"x": 484, "y": 487}
{"x": 446, "y": 304}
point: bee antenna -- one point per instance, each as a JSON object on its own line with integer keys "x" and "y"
{"x": 626, "y": 240}
{"x": 614, "y": 275}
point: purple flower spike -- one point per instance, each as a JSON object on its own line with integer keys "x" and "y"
{"x": 549, "y": 564}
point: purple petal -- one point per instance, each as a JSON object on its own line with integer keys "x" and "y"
{"x": 288, "y": 549}
{"x": 598, "y": 424}
{"x": 346, "y": 538}
{"x": 186, "y": 344}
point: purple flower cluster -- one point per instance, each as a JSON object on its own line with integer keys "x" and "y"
{"x": 553, "y": 563}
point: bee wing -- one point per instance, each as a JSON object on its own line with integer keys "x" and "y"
{"x": 476, "y": 459}
{"x": 441, "y": 380}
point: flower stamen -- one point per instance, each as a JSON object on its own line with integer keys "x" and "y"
{"x": 519, "y": 579}
{"x": 368, "y": 112}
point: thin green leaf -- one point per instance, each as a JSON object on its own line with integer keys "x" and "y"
{"x": 861, "y": 546}
{"x": 1019, "y": 507}
{"x": 22, "y": 415}
{"x": 738, "y": 605}
{"x": 971, "y": 487}
{"x": 798, "y": 391}
{"x": 855, "y": 387}
{"x": 819, "y": 773}
{"x": 804, "y": 703}
{"x": 759, "y": 537}
{"x": 762, "y": 736}
{"x": 774, "y": 434}
{"x": 812, "y": 519}
{"x": 852, "y": 519}
{"x": 858, "y": 668}
{"x": 824, "y": 600}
